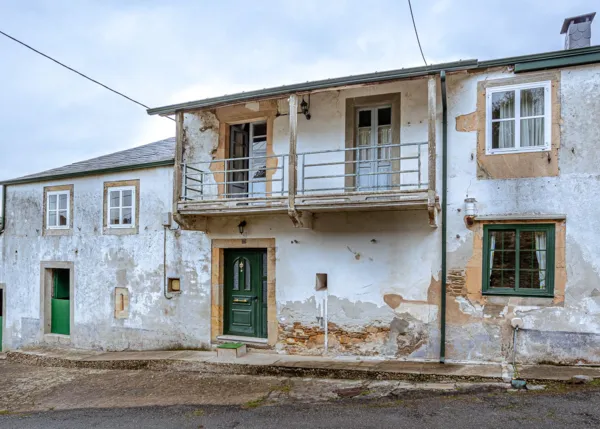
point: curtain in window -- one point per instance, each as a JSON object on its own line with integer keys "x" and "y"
{"x": 492, "y": 248}
{"x": 540, "y": 254}
{"x": 532, "y": 104}
{"x": 503, "y": 107}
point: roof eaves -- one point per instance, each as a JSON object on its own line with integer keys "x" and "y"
{"x": 564, "y": 53}
{"x": 315, "y": 85}
{"x": 94, "y": 172}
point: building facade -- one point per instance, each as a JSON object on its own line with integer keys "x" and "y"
{"x": 415, "y": 214}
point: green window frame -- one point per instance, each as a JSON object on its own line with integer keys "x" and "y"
{"x": 524, "y": 257}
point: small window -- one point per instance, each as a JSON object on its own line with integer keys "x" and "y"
{"x": 518, "y": 260}
{"x": 58, "y": 210}
{"x": 518, "y": 118}
{"x": 121, "y": 207}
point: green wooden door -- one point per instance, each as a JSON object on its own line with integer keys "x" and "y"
{"x": 245, "y": 293}
{"x": 60, "y": 306}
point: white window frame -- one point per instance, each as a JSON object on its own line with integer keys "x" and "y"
{"x": 109, "y": 207}
{"x": 57, "y": 210}
{"x": 547, "y": 85}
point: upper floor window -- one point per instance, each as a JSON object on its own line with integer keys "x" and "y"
{"x": 518, "y": 118}
{"x": 58, "y": 210}
{"x": 121, "y": 207}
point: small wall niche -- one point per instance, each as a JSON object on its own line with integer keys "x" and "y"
{"x": 174, "y": 285}
{"x": 121, "y": 303}
{"x": 321, "y": 281}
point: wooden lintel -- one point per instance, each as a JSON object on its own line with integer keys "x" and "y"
{"x": 292, "y": 171}
{"x": 177, "y": 171}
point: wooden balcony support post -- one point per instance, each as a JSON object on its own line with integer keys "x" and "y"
{"x": 431, "y": 140}
{"x": 300, "y": 220}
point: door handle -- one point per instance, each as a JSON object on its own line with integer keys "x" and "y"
{"x": 254, "y": 298}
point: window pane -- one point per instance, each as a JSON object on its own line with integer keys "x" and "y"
{"x": 503, "y": 105}
{"x": 247, "y": 278}
{"x": 384, "y": 116}
{"x": 532, "y": 132}
{"x": 115, "y": 198}
{"x": 52, "y": 202}
{"x": 531, "y": 260}
{"x": 127, "y": 198}
{"x": 62, "y": 201}
{"x": 502, "y": 278}
{"x": 364, "y": 118}
{"x": 260, "y": 129}
{"x": 114, "y": 217}
{"x": 505, "y": 240}
{"x": 127, "y": 220}
{"x": 52, "y": 219}
{"x": 62, "y": 218}
{"x": 527, "y": 240}
{"x": 503, "y": 134}
{"x": 532, "y": 102}
{"x": 236, "y": 275}
{"x": 532, "y": 279}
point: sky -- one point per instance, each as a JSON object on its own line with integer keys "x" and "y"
{"x": 165, "y": 52}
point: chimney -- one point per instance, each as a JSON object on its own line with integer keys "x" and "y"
{"x": 578, "y": 31}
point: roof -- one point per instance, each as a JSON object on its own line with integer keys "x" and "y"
{"x": 155, "y": 154}
{"x": 539, "y": 61}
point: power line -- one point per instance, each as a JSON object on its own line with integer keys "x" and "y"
{"x": 75, "y": 71}
{"x": 416, "y": 32}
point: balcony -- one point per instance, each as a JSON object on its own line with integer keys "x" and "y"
{"x": 391, "y": 176}
{"x": 362, "y": 163}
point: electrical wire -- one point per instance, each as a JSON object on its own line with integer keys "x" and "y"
{"x": 75, "y": 71}
{"x": 417, "y": 33}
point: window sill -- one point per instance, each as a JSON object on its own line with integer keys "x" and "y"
{"x": 509, "y": 294}
{"x": 517, "y": 151}
{"x": 120, "y": 231}
{"x": 58, "y": 231}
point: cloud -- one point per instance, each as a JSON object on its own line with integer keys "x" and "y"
{"x": 162, "y": 53}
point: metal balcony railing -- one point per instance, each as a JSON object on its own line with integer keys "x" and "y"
{"x": 363, "y": 169}
{"x": 393, "y": 167}
{"x": 245, "y": 178}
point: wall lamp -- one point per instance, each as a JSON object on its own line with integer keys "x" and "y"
{"x": 241, "y": 226}
{"x": 470, "y": 210}
{"x": 305, "y": 107}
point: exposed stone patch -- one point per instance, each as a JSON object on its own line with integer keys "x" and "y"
{"x": 393, "y": 300}
{"x": 467, "y": 123}
{"x": 310, "y": 339}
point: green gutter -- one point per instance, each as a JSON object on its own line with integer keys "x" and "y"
{"x": 553, "y": 63}
{"x": 38, "y": 179}
{"x": 444, "y": 216}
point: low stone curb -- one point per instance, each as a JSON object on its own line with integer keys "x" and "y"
{"x": 239, "y": 369}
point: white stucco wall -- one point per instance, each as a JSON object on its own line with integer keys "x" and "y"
{"x": 103, "y": 262}
{"x": 370, "y": 256}
{"x": 383, "y": 267}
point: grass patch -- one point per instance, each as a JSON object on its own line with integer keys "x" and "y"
{"x": 5, "y": 412}
{"x": 198, "y": 413}
{"x": 285, "y": 388}
{"x": 250, "y": 405}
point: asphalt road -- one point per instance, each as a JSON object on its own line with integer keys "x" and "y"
{"x": 551, "y": 409}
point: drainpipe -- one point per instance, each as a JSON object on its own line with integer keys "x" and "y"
{"x": 444, "y": 216}
{"x": 3, "y": 211}
{"x": 165, "y": 292}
